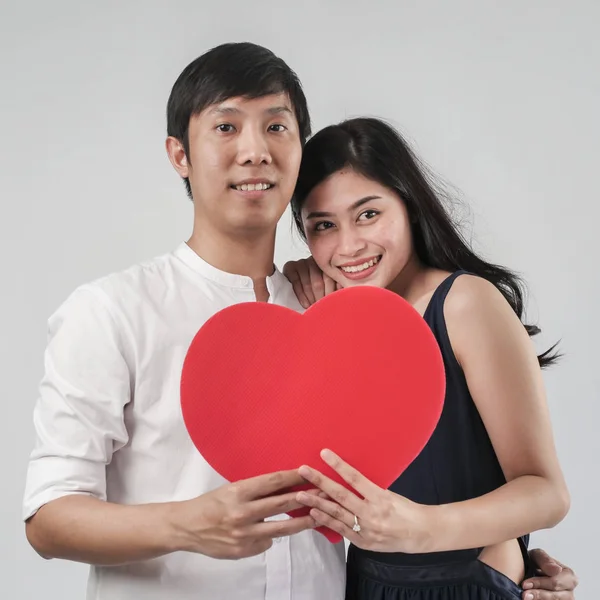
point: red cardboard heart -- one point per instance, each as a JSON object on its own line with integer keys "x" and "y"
{"x": 265, "y": 388}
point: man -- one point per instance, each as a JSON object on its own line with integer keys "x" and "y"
{"x": 114, "y": 480}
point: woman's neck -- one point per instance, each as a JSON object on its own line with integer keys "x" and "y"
{"x": 416, "y": 283}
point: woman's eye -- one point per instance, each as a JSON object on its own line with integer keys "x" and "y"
{"x": 369, "y": 214}
{"x": 225, "y": 127}
{"x": 323, "y": 225}
{"x": 277, "y": 128}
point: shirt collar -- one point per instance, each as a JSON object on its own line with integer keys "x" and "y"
{"x": 232, "y": 280}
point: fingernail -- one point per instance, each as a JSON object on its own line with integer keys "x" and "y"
{"x": 304, "y": 471}
{"x": 326, "y": 454}
{"x": 528, "y": 585}
{"x": 528, "y": 596}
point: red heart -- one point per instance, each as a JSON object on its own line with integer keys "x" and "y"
{"x": 265, "y": 388}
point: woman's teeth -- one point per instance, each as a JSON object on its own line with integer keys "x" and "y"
{"x": 358, "y": 268}
{"x": 252, "y": 187}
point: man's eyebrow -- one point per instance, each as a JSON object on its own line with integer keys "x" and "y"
{"x": 320, "y": 214}
{"x": 225, "y": 110}
{"x": 232, "y": 110}
{"x": 277, "y": 110}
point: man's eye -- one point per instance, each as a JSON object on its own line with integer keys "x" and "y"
{"x": 323, "y": 225}
{"x": 225, "y": 128}
{"x": 277, "y": 128}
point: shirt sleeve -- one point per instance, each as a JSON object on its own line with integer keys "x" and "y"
{"x": 79, "y": 414}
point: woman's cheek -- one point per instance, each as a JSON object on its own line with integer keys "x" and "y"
{"x": 324, "y": 258}
{"x": 318, "y": 251}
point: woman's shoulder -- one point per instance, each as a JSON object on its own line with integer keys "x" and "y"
{"x": 477, "y": 314}
{"x": 471, "y": 294}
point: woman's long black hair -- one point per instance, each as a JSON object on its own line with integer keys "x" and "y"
{"x": 377, "y": 151}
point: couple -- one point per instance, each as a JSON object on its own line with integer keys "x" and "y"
{"x": 114, "y": 480}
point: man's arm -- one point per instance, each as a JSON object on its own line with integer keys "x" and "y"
{"x": 79, "y": 424}
{"x": 225, "y": 523}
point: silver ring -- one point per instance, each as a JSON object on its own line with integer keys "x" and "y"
{"x": 356, "y": 526}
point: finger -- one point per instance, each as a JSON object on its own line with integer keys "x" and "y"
{"x": 299, "y": 291}
{"x": 317, "y": 279}
{"x": 338, "y": 493}
{"x": 254, "y": 548}
{"x": 317, "y": 285}
{"x": 350, "y": 475}
{"x": 330, "y": 284}
{"x": 544, "y": 562}
{"x": 547, "y": 595}
{"x": 291, "y": 272}
{"x": 276, "y": 529}
{"x": 277, "y": 505}
{"x": 565, "y": 581}
{"x": 264, "y": 485}
{"x": 323, "y": 519}
{"x": 303, "y": 272}
{"x": 333, "y": 509}
{"x": 559, "y": 577}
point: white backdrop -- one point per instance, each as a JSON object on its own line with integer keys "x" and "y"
{"x": 500, "y": 98}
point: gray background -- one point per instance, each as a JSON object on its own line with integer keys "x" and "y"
{"x": 500, "y": 98}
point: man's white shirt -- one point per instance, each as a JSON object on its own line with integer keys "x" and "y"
{"x": 108, "y": 424}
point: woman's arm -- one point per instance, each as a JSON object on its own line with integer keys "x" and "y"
{"x": 505, "y": 381}
{"x": 504, "y": 378}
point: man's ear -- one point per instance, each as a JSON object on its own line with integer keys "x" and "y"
{"x": 176, "y": 153}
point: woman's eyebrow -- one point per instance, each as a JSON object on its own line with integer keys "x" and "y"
{"x": 320, "y": 214}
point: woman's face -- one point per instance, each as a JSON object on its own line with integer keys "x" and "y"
{"x": 357, "y": 230}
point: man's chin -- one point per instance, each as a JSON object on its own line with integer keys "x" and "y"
{"x": 260, "y": 220}
{"x": 254, "y": 226}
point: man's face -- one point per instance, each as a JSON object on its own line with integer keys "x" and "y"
{"x": 243, "y": 163}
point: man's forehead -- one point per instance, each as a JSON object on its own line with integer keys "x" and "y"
{"x": 270, "y": 104}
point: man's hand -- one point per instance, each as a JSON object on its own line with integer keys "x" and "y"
{"x": 555, "y": 581}
{"x": 229, "y": 522}
{"x": 309, "y": 282}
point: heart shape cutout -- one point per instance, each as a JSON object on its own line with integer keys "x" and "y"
{"x": 264, "y": 388}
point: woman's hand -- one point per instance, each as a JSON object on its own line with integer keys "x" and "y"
{"x": 388, "y": 522}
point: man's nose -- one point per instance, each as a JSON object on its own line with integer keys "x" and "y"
{"x": 253, "y": 148}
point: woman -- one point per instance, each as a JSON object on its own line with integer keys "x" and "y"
{"x": 455, "y": 525}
